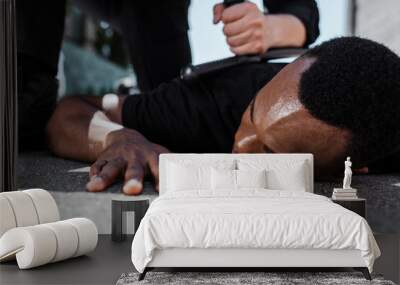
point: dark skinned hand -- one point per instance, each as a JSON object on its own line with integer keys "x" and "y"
{"x": 130, "y": 155}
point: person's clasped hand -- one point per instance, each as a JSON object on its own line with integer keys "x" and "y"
{"x": 246, "y": 28}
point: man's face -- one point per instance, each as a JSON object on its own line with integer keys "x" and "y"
{"x": 277, "y": 122}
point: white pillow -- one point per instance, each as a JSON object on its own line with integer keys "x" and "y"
{"x": 223, "y": 179}
{"x": 193, "y": 173}
{"x": 181, "y": 177}
{"x": 251, "y": 178}
{"x": 227, "y": 179}
{"x": 281, "y": 174}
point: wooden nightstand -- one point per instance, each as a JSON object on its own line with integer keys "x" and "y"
{"x": 355, "y": 205}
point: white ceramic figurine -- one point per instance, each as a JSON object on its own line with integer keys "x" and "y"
{"x": 347, "y": 174}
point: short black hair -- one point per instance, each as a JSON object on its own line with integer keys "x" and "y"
{"x": 354, "y": 84}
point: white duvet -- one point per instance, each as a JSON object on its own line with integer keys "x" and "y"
{"x": 250, "y": 219}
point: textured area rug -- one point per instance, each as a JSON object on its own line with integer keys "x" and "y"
{"x": 243, "y": 278}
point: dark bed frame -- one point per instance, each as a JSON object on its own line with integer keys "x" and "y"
{"x": 363, "y": 270}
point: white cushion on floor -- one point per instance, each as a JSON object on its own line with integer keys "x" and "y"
{"x": 23, "y": 208}
{"x": 46, "y": 207}
{"x": 33, "y": 246}
{"x": 87, "y": 233}
{"x": 40, "y": 244}
{"x": 67, "y": 239}
{"x": 7, "y": 219}
{"x": 31, "y": 233}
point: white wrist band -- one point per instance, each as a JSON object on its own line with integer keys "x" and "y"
{"x": 109, "y": 102}
{"x": 100, "y": 126}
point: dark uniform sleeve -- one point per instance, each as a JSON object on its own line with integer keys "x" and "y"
{"x": 305, "y": 10}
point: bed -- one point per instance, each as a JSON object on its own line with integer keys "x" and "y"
{"x": 246, "y": 211}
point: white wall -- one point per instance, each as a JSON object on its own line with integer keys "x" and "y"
{"x": 335, "y": 19}
{"x": 379, "y": 20}
{"x": 208, "y": 42}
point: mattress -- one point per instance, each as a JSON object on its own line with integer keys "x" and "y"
{"x": 251, "y": 219}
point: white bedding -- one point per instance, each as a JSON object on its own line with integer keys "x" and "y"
{"x": 250, "y": 218}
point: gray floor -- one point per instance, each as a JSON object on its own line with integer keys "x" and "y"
{"x": 110, "y": 260}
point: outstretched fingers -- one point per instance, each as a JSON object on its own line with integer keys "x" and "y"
{"x": 104, "y": 173}
{"x": 134, "y": 178}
